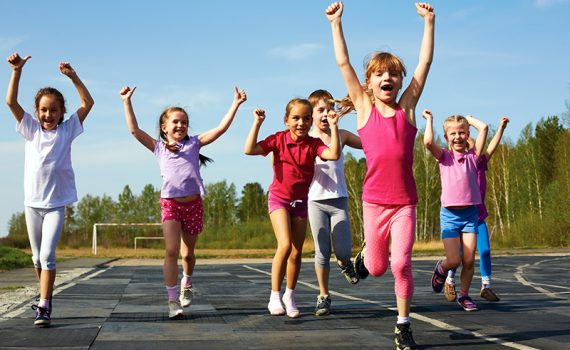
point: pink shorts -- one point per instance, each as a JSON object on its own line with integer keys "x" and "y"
{"x": 294, "y": 207}
{"x": 189, "y": 214}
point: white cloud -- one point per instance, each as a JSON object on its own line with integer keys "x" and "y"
{"x": 548, "y": 3}
{"x": 296, "y": 52}
{"x": 7, "y": 44}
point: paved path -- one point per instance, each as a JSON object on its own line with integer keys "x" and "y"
{"x": 122, "y": 306}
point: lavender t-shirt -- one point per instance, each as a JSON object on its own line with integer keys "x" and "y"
{"x": 180, "y": 171}
{"x": 459, "y": 185}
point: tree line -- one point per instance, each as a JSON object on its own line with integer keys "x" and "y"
{"x": 528, "y": 191}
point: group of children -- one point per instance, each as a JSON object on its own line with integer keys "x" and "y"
{"x": 308, "y": 182}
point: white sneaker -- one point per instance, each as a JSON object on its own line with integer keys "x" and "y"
{"x": 175, "y": 311}
{"x": 186, "y": 296}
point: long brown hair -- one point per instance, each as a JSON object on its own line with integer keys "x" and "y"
{"x": 377, "y": 62}
{"x": 164, "y": 138}
{"x": 49, "y": 91}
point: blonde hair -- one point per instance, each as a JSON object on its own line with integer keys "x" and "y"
{"x": 297, "y": 101}
{"x": 164, "y": 138}
{"x": 376, "y": 62}
{"x": 454, "y": 119}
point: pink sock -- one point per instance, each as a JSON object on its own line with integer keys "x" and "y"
{"x": 172, "y": 292}
{"x": 44, "y": 303}
{"x": 186, "y": 281}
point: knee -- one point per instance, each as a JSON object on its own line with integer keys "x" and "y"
{"x": 401, "y": 269}
{"x": 322, "y": 261}
{"x": 47, "y": 261}
{"x": 171, "y": 253}
{"x": 453, "y": 263}
{"x": 468, "y": 262}
{"x": 484, "y": 253}
{"x": 376, "y": 268}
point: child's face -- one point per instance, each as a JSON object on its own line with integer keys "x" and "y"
{"x": 385, "y": 85}
{"x": 457, "y": 135}
{"x": 299, "y": 121}
{"x": 176, "y": 126}
{"x": 320, "y": 112}
{"x": 50, "y": 112}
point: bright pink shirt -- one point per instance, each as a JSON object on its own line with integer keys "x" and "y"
{"x": 388, "y": 144}
{"x": 459, "y": 184}
{"x": 293, "y": 163}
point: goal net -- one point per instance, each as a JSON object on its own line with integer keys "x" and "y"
{"x": 100, "y": 225}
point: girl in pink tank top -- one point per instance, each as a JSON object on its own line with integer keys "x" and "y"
{"x": 387, "y": 128}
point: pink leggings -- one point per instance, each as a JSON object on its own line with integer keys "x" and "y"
{"x": 398, "y": 222}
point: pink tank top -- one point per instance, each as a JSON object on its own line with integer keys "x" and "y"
{"x": 388, "y": 145}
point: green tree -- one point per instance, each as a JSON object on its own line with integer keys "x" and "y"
{"x": 253, "y": 203}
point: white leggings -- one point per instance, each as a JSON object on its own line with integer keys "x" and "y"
{"x": 44, "y": 229}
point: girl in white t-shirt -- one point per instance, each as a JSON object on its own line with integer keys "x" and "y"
{"x": 49, "y": 182}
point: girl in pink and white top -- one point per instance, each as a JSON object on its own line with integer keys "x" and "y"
{"x": 294, "y": 153}
{"x": 387, "y": 129}
{"x": 179, "y": 160}
{"x": 49, "y": 181}
{"x": 460, "y": 196}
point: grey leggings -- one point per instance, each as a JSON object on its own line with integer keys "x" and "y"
{"x": 44, "y": 229}
{"x": 329, "y": 218}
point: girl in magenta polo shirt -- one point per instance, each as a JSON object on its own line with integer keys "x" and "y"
{"x": 294, "y": 153}
{"x": 180, "y": 197}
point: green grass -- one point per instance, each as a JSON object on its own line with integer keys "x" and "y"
{"x": 12, "y": 258}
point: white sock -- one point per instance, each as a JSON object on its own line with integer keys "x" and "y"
{"x": 404, "y": 320}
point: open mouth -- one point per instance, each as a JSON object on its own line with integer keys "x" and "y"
{"x": 387, "y": 87}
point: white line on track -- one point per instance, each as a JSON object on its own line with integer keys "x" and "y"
{"x": 519, "y": 275}
{"x": 416, "y": 316}
{"x": 26, "y": 306}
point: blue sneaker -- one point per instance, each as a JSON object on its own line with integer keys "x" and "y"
{"x": 42, "y": 316}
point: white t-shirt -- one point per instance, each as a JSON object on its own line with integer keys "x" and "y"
{"x": 49, "y": 181}
{"x": 328, "y": 181}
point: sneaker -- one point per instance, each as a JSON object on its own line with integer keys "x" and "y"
{"x": 323, "y": 305}
{"x": 467, "y": 303}
{"x": 360, "y": 269}
{"x": 489, "y": 295}
{"x": 404, "y": 339}
{"x": 186, "y": 296}
{"x": 43, "y": 316}
{"x": 348, "y": 272}
{"x": 175, "y": 310}
{"x": 437, "y": 279}
{"x": 449, "y": 291}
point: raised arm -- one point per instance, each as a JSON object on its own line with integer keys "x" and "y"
{"x": 213, "y": 134}
{"x": 333, "y": 153}
{"x": 349, "y": 139}
{"x": 412, "y": 94}
{"x": 434, "y": 149}
{"x": 144, "y": 138}
{"x": 482, "y": 129}
{"x": 359, "y": 97}
{"x": 497, "y": 138}
{"x": 17, "y": 63}
{"x": 251, "y": 147}
{"x": 86, "y": 99}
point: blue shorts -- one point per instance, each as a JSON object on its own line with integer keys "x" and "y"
{"x": 455, "y": 221}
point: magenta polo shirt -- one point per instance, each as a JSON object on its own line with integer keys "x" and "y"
{"x": 459, "y": 184}
{"x": 293, "y": 163}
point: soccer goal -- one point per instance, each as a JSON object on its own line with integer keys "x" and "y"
{"x": 95, "y": 226}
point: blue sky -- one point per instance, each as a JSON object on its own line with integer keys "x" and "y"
{"x": 492, "y": 58}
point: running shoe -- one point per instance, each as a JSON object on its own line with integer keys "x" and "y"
{"x": 174, "y": 310}
{"x": 348, "y": 272}
{"x": 489, "y": 295}
{"x": 43, "y": 316}
{"x": 437, "y": 279}
{"x": 467, "y": 303}
{"x": 186, "y": 296}
{"x": 323, "y": 305}
{"x": 360, "y": 269}
{"x": 404, "y": 339}
{"x": 449, "y": 291}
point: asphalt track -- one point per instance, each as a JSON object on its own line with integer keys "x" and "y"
{"x": 121, "y": 305}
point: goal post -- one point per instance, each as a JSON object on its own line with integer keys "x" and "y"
{"x": 96, "y": 225}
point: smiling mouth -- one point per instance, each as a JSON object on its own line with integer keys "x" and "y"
{"x": 387, "y": 88}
